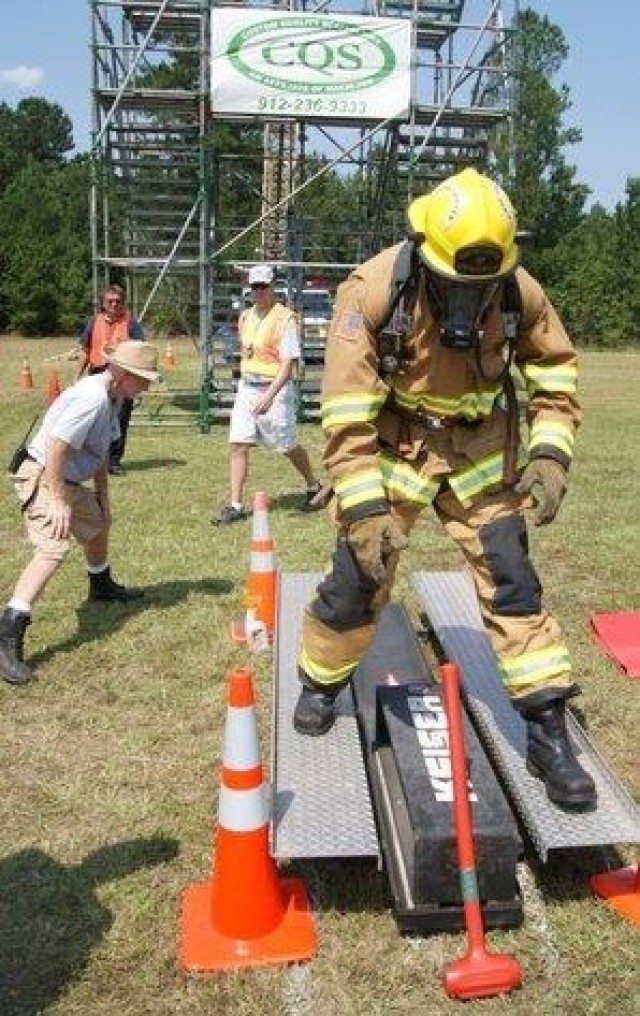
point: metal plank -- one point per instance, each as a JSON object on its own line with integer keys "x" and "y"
{"x": 450, "y": 603}
{"x": 321, "y": 803}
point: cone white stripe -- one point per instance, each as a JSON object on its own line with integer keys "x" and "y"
{"x": 243, "y": 811}
{"x": 241, "y": 749}
{"x": 260, "y": 530}
{"x": 262, "y": 561}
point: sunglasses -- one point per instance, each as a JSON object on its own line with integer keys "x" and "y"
{"x": 259, "y": 285}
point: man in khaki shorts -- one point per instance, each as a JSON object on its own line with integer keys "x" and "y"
{"x": 71, "y": 446}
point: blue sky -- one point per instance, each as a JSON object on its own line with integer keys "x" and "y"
{"x": 44, "y": 50}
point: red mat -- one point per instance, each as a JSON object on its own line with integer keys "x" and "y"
{"x": 619, "y": 636}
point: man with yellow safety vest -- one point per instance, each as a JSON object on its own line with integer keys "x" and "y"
{"x": 419, "y": 408}
{"x": 264, "y": 409}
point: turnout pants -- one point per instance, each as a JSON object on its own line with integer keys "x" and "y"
{"x": 340, "y": 622}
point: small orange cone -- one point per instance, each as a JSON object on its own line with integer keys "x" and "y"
{"x": 25, "y": 383}
{"x": 245, "y": 915}
{"x": 249, "y": 629}
{"x": 262, "y": 583}
{"x": 53, "y": 387}
{"x": 620, "y": 889}
{"x": 169, "y": 356}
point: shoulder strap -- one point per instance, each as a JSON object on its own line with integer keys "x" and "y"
{"x": 404, "y": 276}
{"x": 511, "y": 307}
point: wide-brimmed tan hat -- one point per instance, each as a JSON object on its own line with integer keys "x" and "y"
{"x": 139, "y": 358}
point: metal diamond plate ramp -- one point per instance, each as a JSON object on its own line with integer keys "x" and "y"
{"x": 450, "y": 603}
{"x": 321, "y": 803}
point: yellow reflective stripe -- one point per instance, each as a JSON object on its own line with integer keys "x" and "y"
{"x": 263, "y": 368}
{"x": 560, "y": 378}
{"x": 485, "y": 473}
{"x": 402, "y": 479}
{"x": 552, "y": 432}
{"x": 354, "y": 407}
{"x": 470, "y": 405}
{"x": 535, "y": 667}
{"x": 360, "y": 487}
{"x": 325, "y": 675}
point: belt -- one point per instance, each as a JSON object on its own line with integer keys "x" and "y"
{"x": 257, "y": 382}
{"x": 445, "y": 422}
{"x": 431, "y": 422}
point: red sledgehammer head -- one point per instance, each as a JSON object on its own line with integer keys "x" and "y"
{"x": 481, "y": 974}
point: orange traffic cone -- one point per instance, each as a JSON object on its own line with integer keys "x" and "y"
{"x": 25, "y": 383}
{"x": 169, "y": 356}
{"x": 262, "y": 583}
{"x": 53, "y": 387}
{"x": 620, "y": 889}
{"x": 245, "y": 915}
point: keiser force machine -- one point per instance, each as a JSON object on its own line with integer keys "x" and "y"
{"x": 379, "y": 783}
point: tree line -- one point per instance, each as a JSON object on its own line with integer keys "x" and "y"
{"x": 588, "y": 259}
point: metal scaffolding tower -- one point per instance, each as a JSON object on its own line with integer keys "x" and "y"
{"x": 165, "y": 166}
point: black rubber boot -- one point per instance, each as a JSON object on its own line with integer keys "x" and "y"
{"x": 103, "y": 588}
{"x": 550, "y": 756}
{"x": 315, "y": 710}
{"x": 13, "y": 625}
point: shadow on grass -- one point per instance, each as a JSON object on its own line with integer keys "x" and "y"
{"x": 345, "y": 885}
{"x": 565, "y": 875}
{"x": 51, "y": 917}
{"x": 95, "y": 620}
{"x": 143, "y": 465}
{"x": 290, "y": 501}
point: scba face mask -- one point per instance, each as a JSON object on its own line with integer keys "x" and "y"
{"x": 460, "y": 309}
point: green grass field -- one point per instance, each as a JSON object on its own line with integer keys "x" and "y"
{"x": 110, "y": 760}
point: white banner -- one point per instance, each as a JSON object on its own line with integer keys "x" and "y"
{"x": 281, "y": 64}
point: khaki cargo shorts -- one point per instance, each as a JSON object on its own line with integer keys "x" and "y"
{"x": 32, "y": 490}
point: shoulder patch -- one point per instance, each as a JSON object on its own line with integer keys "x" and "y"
{"x": 348, "y": 325}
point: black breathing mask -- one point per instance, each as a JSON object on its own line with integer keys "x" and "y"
{"x": 460, "y": 309}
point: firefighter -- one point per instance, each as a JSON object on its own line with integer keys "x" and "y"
{"x": 419, "y": 409}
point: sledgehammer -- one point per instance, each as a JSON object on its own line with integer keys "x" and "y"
{"x": 478, "y": 974}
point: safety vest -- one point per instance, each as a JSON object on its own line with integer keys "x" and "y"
{"x": 260, "y": 338}
{"x": 106, "y": 334}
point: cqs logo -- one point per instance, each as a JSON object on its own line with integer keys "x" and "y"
{"x": 314, "y": 55}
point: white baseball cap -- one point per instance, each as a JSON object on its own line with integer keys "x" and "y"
{"x": 261, "y": 273}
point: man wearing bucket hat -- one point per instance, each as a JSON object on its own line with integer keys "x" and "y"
{"x": 264, "y": 409}
{"x": 419, "y": 409}
{"x": 71, "y": 447}
{"x": 112, "y": 324}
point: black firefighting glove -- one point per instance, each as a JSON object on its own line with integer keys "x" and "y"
{"x": 373, "y": 540}
{"x": 546, "y": 481}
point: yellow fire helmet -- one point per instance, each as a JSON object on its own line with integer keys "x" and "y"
{"x": 469, "y": 228}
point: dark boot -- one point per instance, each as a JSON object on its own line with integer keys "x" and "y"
{"x": 550, "y": 756}
{"x": 315, "y": 709}
{"x": 13, "y": 625}
{"x": 103, "y": 588}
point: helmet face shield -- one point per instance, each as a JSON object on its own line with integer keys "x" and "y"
{"x": 482, "y": 260}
